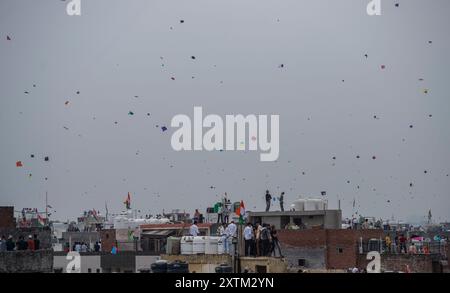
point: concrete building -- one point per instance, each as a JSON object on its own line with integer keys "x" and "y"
{"x": 7, "y": 219}
{"x": 325, "y": 219}
{"x": 123, "y": 262}
{"x": 208, "y": 263}
{"x": 70, "y": 238}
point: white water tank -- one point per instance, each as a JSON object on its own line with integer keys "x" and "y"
{"x": 211, "y": 246}
{"x": 298, "y": 205}
{"x": 220, "y": 246}
{"x": 173, "y": 245}
{"x": 312, "y": 204}
{"x": 198, "y": 245}
{"x": 322, "y": 205}
{"x": 186, "y": 244}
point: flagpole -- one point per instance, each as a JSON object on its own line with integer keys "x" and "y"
{"x": 106, "y": 207}
{"x": 46, "y": 205}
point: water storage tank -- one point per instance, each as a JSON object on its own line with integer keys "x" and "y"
{"x": 211, "y": 246}
{"x": 198, "y": 245}
{"x": 160, "y": 266}
{"x": 298, "y": 205}
{"x": 312, "y": 204}
{"x": 322, "y": 205}
{"x": 173, "y": 245}
{"x": 187, "y": 244}
{"x": 220, "y": 246}
{"x": 178, "y": 267}
{"x": 224, "y": 268}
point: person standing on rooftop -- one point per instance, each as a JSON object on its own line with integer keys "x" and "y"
{"x": 248, "y": 238}
{"x": 197, "y": 215}
{"x": 258, "y": 245}
{"x": 226, "y": 214}
{"x": 30, "y": 243}
{"x": 37, "y": 242}
{"x": 10, "y": 244}
{"x": 282, "y": 201}
{"x": 193, "y": 230}
{"x": 268, "y": 199}
{"x": 3, "y": 244}
{"x": 230, "y": 231}
{"x": 220, "y": 214}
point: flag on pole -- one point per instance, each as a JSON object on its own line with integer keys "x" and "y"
{"x": 41, "y": 220}
{"x": 241, "y": 213}
{"x": 94, "y": 213}
{"x": 128, "y": 202}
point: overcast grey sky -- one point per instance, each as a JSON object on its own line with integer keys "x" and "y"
{"x": 327, "y": 95}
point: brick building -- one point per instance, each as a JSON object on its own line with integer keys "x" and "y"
{"x": 324, "y": 248}
{"x": 418, "y": 263}
{"x": 7, "y": 218}
{"x": 108, "y": 238}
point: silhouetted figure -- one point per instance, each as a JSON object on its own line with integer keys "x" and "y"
{"x": 268, "y": 199}
{"x": 282, "y": 201}
{"x": 37, "y": 242}
{"x": 21, "y": 244}
{"x": 265, "y": 240}
{"x": 10, "y": 244}
{"x": 275, "y": 242}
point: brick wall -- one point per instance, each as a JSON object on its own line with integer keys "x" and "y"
{"x": 339, "y": 245}
{"x": 342, "y": 246}
{"x": 313, "y": 258}
{"x": 7, "y": 217}
{"x": 108, "y": 238}
{"x": 303, "y": 238}
{"x": 418, "y": 263}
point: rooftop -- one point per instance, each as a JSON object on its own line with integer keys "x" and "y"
{"x": 290, "y": 213}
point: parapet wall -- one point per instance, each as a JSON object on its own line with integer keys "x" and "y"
{"x": 417, "y": 263}
{"x": 26, "y": 261}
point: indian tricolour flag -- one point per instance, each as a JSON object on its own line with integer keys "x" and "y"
{"x": 41, "y": 220}
{"x": 241, "y": 213}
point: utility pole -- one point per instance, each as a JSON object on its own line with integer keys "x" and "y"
{"x": 46, "y": 206}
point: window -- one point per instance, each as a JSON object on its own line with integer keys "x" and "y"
{"x": 97, "y": 271}
{"x": 340, "y": 250}
{"x": 89, "y": 270}
{"x": 301, "y": 262}
{"x": 261, "y": 269}
{"x": 310, "y": 217}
